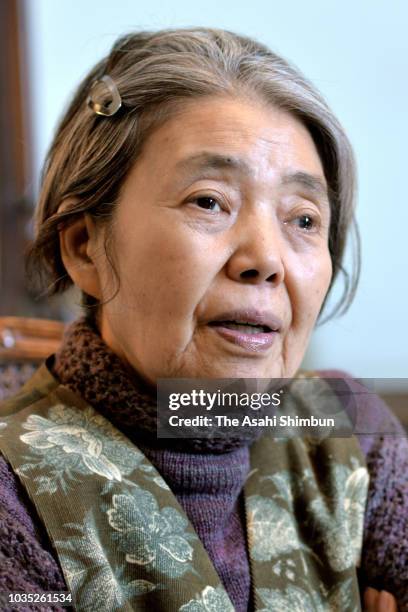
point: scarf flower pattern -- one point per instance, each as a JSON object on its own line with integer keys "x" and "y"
{"x": 149, "y": 536}
{"x": 209, "y": 600}
{"x": 70, "y": 443}
{"x": 124, "y": 542}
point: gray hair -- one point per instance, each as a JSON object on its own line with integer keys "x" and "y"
{"x": 91, "y": 156}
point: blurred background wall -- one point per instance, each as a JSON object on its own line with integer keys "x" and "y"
{"x": 356, "y": 52}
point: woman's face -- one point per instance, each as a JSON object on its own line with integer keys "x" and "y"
{"x": 220, "y": 242}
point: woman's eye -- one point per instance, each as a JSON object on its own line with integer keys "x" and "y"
{"x": 306, "y": 222}
{"x": 208, "y": 203}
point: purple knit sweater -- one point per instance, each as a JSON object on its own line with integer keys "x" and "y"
{"x": 206, "y": 482}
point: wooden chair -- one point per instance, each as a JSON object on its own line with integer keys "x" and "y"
{"x": 24, "y": 344}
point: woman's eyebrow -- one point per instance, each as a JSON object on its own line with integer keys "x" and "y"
{"x": 205, "y": 161}
{"x": 208, "y": 161}
{"x": 311, "y": 182}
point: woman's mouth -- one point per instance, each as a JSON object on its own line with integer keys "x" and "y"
{"x": 247, "y": 328}
{"x": 250, "y": 336}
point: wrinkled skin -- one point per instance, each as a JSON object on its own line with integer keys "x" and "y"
{"x": 192, "y": 239}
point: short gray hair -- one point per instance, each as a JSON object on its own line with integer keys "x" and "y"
{"x": 91, "y": 156}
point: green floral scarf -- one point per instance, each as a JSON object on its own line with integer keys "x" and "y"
{"x": 124, "y": 543}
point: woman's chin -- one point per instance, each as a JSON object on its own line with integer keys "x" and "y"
{"x": 225, "y": 369}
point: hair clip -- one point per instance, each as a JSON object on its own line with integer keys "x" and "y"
{"x": 104, "y": 97}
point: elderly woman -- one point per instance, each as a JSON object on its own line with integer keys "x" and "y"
{"x": 198, "y": 192}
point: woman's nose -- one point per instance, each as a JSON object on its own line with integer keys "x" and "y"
{"x": 258, "y": 256}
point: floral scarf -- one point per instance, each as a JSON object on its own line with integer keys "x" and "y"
{"x": 124, "y": 543}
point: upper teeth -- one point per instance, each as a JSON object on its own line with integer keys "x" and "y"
{"x": 250, "y": 328}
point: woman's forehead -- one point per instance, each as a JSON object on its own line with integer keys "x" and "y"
{"x": 231, "y": 137}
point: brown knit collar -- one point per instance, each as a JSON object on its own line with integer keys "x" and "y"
{"x": 91, "y": 369}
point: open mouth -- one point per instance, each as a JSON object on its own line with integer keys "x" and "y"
{"x": 248, "y": 328}
{"x": 244, "y": 328}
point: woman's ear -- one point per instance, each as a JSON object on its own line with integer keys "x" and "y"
{"x": 81, "y": 246}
